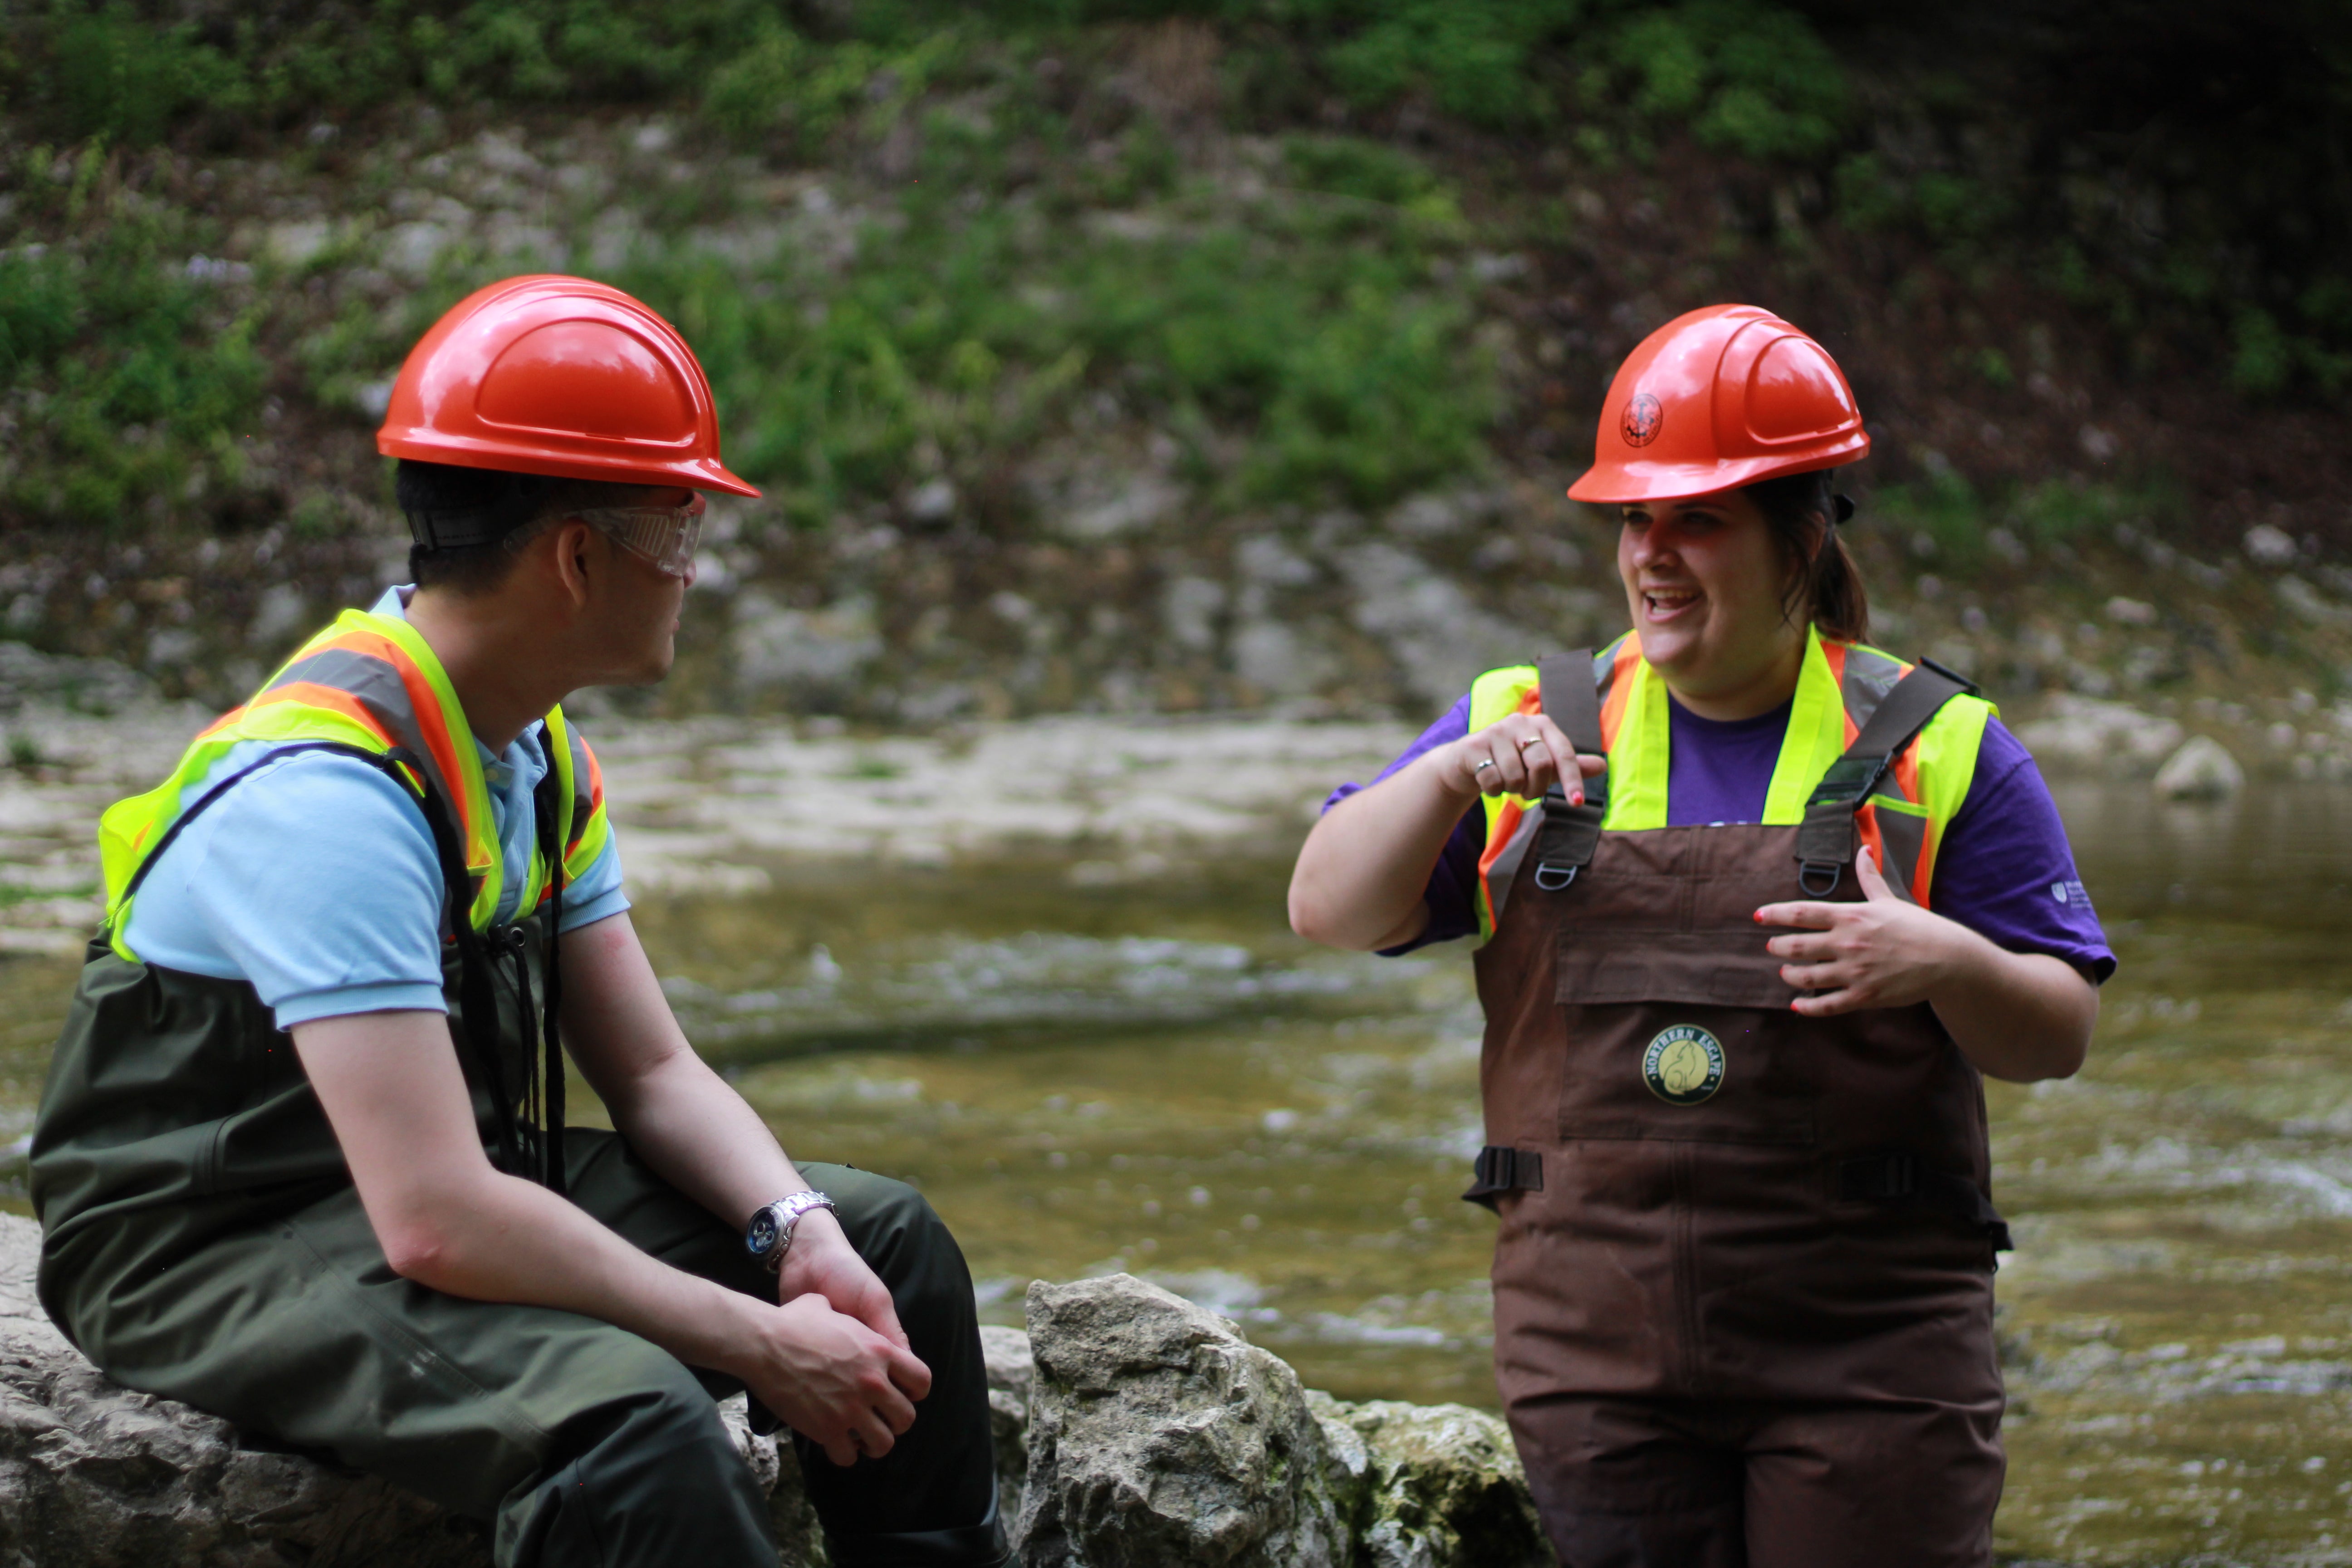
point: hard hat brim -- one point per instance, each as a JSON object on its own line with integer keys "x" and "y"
{"x": 694, "y": 473}
{"x": 1620, "y": 481}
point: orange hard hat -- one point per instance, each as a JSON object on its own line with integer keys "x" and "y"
{"x": 1719, "y": 398}
{"x": 547, "y": 374}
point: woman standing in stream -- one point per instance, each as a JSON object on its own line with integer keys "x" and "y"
{"x": 1743, "y": 961}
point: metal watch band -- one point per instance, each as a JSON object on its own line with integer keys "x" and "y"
{"x": 770, "y": 1234}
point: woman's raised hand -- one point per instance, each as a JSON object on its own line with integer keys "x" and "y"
{"x": 1880, "y": 952}
{"x": 1515, "y": 755}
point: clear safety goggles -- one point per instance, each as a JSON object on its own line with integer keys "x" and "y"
{"x": 664, "y": 535}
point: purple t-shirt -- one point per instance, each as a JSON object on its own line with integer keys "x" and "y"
{"x": 2003, "y": 869}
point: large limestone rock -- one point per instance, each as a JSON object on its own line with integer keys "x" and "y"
{"x": 2202, "y": 769}
{"x": 1430, "y": 1485}
{"x": 93, "y": 1475}
{"x": 1012, "y": 1373}
{"x": 2086, "y": 735}
{"x": 1161, "y": 1439}
{"x": 1146, "y": 1431}
{"x": 1160, "y": 1436}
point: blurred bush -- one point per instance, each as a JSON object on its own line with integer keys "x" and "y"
{"x": 2177, "y": 173}
{"x": 125, "y": 375}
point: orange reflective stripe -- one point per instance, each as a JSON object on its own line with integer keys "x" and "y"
{"x": 1506, "y": 823}
{"x": 1907, "y": 771}
{"x": 218, "y": 725}
{"x": 432, "y": 724}
{"x": 1621, "y": 687}
{"x": 310, "y": 694}
{"x": 595, "y": 799}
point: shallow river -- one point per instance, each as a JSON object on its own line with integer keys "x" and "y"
{"x": 1154, "y": 1075}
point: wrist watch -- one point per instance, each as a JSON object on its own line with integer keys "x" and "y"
{"x": 770, "y": 1234}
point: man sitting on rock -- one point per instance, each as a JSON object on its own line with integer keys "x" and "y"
{"x": 377, "y": 1238}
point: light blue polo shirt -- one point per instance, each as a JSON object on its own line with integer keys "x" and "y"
{"x": 316, "y": 880}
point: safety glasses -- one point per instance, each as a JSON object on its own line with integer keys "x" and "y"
{"x": 664, "y": 535}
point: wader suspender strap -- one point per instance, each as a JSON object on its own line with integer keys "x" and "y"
{"x": 550, "y": 847}
{"x": 1825, "y": 844}
{"x": 476, "y": 993}
{"x": 1570, "y": 833}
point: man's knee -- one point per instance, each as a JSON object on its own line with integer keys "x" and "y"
{"x": 655, "y": 1477}
{"x": 895, "y": 1229}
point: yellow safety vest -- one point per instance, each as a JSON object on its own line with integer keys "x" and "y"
{"x": 370, "y": 685}
{"x": 1839, "y": 685}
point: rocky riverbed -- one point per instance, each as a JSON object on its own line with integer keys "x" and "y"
{"x": 1132, "y": 1428}
{"x": 708, "y": 805}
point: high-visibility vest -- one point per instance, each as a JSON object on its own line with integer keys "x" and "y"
{"x": 1839, "y": 685}
{"x": 370, "y": 685}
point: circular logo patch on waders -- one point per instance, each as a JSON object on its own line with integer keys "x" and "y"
{"x": 1684, "y": 1065}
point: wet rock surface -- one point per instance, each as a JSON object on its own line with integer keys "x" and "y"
{"x": 2202, "y": 769}
{"x": 1161, "y": 1435}
{"x": 1429, "y": 1484}
{"x": 1147, "y": 1430}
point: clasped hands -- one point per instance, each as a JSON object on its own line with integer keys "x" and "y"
{"x": 843, "y": 1375}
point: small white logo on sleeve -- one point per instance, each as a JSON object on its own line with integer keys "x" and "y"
{"x": 2070, "y": 892}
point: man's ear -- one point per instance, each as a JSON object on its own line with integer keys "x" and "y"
{"x": 570, "y": 558}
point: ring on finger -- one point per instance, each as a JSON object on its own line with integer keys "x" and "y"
{"x": 1488, "y": 763}
{"x": 1531, "y": 741}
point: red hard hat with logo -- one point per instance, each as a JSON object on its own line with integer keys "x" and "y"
{"x": 1717, "y": 399}
{"x": 561, "y": 376}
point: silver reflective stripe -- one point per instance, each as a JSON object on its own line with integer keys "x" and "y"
{"x": 375, "y": 685}
{"x": 1506, "y": 869}
{"x": 1905, "y": 837}
{"x": 1869, "y": 677}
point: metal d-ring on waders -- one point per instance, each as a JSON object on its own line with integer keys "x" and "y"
{"x": 1826, "y": 842}
{"x": 1570, "y": 833}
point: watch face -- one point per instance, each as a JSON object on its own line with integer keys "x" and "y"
{"x": 761, "y": 1237}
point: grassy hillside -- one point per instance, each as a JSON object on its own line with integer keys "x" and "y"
{"x": 1192, "y": 355}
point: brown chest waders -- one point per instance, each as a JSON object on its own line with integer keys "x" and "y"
{"x": 202, "y": 1240}
{"x": 1743, "y": 1285}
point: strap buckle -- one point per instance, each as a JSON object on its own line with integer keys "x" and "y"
{"x": 1498, "y": 1170}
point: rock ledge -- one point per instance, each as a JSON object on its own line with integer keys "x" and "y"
{"x": 1146, "y": 1431}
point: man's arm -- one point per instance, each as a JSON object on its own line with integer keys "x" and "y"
{"x": 689, "y": 1124}
{"x": 392, "y": 1089}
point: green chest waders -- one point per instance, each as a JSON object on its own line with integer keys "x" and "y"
{"x": 203, "y": 1241}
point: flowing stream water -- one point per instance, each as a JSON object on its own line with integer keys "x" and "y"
{"x": 1146, "y": 1070}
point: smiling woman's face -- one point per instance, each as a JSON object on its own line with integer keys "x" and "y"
{"x": 1704, "y": 581}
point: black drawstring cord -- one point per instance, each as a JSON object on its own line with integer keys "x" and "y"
{"x": 532, "y": 1150}
{"x": 477, "y": 992}
{"x": 553, "y": 847}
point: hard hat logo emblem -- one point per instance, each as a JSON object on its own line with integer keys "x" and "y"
{"x": 1684, "y": 1065}
{"x": 1643, "y": 415}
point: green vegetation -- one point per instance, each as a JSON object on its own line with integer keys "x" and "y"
{"x": 123, "y": 379}
{"x": 1310, "y": 341}
{"x": 1957, "y": 519}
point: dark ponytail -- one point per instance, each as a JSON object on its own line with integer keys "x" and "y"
{"x": 1824, "y": 584}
